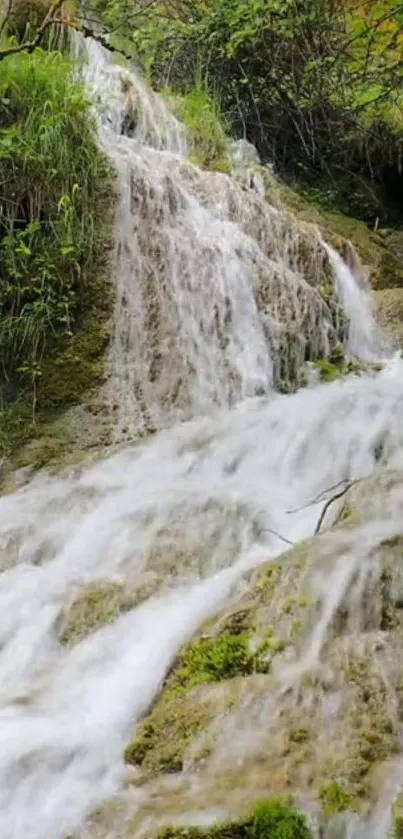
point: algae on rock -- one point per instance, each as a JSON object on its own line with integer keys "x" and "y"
{"x": 97, "y": 605}
{"x": 324, "y": 714}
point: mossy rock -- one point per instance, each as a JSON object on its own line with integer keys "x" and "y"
{"x": 273, "y": 818}
{"x": 96, "y": 606}
{"x": 388, "y": 305}
{"x": 396, "y": 828}
{"x": 286, "y": 741}
{"x": 379, "y": 251}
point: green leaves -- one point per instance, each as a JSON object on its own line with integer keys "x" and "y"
{"x": 51, "y": 177}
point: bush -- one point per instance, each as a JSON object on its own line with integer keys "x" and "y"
{"x": 201, "y": 114}
{"x": 272, "y": 818}
{"x": 276, "y": 818}
{"x": 315, "y": 85}
{"x": 54, "y": 187}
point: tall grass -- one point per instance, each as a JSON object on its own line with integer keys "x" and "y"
{"x": 53, "y": 192}
{"x": 200, "y": 111}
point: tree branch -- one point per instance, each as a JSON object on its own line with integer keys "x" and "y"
{"x": 75, "y": 24}
{"x": 330, "y": 501}
{"x": 30, "y": 46}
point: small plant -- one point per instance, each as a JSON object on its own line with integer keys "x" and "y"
{"x": 200, "y": 112}
{"x": 54, "y": 185}
{"x": 397, "y": 818}
{"x": 328, "y": 371}
{"x": 273, "y": 818}
{"x": 335, "y": 797}
{"x": 337, "y": 356}
{"x": 277, "y": 818}
{"x": 213, "y": 659}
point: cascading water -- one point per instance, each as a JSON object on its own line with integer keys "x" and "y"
{"x": 217, "y": 293}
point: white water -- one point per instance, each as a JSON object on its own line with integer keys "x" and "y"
{"x": 195, "y": 505}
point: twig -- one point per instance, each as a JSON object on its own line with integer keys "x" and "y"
{"x": 330, "y": 501}
{"x": 318, "y": 497}
{"x": 279, "y": 536}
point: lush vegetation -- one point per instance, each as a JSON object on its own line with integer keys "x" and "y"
{"x": 272, "y": 818}
{"x": 315, "y": 84}
{"x": 54, "y": 192}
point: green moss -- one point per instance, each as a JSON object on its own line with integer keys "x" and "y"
{"x": 46, "y": 448}
{"x": 272, "y": 818}
{"x": 376, "y": 251}
{"x": 328, "y": 371}
{"x": 335, "y": 797}
{"x": 214, "y": 659}
{"x": 57, "y": 300}
{"x": 338, "y": 356}
{"x": 369, "y": 729}
{"x": 396, "y": 831}
{"x": 99, "y": 604}
{"x": 161, "y": 739}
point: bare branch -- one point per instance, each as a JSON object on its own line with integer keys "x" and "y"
{"x": 330, "y": 501}
{"x": 30, "y": 46}
{"x": 318, "y": 497}
{"x": 278, "y": 535}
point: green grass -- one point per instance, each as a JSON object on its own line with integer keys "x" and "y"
{"x": 55, "y": 191}
{"x": 335, "y": 797}
{"x": 201, "y": 114}
{"x": 272, "y": 818}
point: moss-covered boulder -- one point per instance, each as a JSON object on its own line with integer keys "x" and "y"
{"x": 272, "y": 818}
{"x": 388, "y": 306}
{"x": 296, "y": 687}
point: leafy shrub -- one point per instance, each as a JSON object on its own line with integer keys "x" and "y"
{"x": 54, "y": 186}
{"x": 272, "y": 818}
{"x": 315, "y": 85}
{"x": 276, "y": 818}
{"x": 201, "y": 114}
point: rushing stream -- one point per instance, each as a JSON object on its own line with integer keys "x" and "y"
{"x": 194, "y": 355}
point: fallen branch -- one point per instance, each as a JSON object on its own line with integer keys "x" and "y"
{"x": 279, "y": 536}
{"x": 330, "y": 501}
{"x": 318, "y": 497}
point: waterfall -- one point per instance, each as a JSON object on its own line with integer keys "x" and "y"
{"x": 218, "y": 294}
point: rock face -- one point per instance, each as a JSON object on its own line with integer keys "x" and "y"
{"x": 388, "y": 304}
{"x": 295, "y": 687}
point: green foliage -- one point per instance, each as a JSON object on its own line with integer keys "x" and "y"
{"x": 276, "y": 818}
{"x": 397, "y": 818}
{"x": 272, "y": 818}
{"x": 213, "y": 659}
{"x": 54, "y": 186}
{"x": 316, "y": 85}
{"x": 328, "y": 371}
{"x": 200, "y": 112}
{"x": 335, "y": 797}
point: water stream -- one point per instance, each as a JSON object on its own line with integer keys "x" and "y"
{"x": 210, "y": 282}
